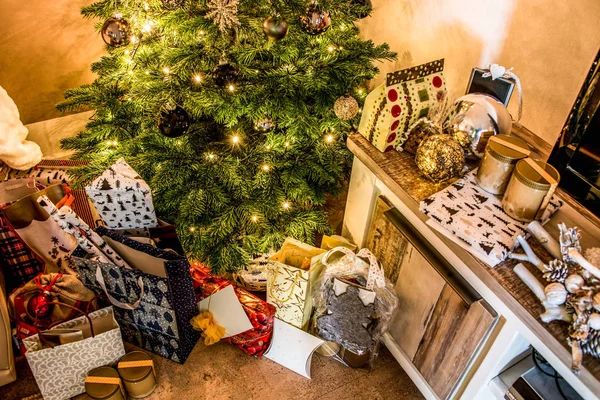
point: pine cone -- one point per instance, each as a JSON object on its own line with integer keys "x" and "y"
{"x": 592, "y": 345}
{"x": 556, "y": 271}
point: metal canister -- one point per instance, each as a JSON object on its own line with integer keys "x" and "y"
{"x": 138, "y": 374}
{"x": 103, "y": 383}
{"x": 501, "y": 155}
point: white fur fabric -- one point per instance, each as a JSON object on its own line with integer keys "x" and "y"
{"x": 15, "y": 151}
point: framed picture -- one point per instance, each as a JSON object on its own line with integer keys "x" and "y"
{"x": 500, "y": 88}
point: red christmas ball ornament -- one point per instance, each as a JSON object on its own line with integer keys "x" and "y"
{"x": 40, "y": 305}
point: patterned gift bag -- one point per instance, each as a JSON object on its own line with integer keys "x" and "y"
{"x": 60, "y": 371}
{"x": 290, "y": 275}
{"x": 375, "y": 121}
{"x": 122, "y": 198}
{"x": 154, "y": 302}
{"x": 410, "y": 93}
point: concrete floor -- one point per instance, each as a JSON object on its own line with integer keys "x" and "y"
{"x": 225, "y": 372}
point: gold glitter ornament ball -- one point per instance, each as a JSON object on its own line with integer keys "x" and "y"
{"x": 440, "y": 157}
{"x": 345, "y": 108}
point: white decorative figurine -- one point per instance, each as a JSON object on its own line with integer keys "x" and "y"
{"x": 15, "y": 151}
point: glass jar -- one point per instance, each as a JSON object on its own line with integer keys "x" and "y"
{"x": 526, "y": 191}
{"x": 103, "y": 383}
{"x": 137, "y": 371}
{"x": 498, "y": 163}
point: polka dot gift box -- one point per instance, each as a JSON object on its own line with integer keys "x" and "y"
{"x": 391, "y": 108}
{"x": 410, "y": 93}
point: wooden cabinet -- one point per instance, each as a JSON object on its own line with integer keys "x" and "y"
{"x": 441, "y": 321}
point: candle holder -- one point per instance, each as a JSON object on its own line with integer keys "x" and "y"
{"x": 138, "y": 374}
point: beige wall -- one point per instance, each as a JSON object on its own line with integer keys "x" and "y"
{"x": 46, "y": 48}
{"x": 550, "y": 43}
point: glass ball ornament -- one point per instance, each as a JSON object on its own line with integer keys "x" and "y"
{"x": 275, "y": 27}
{"x": 115, "y": 32}
{"x": 225, "y": 74}
{"x": 314, "y": 21}
{"x": 472, "y": 127}
{"x": 440, "y": 157}
{"x": 264, "y": 125}
{"x": 174, "y": 122}
{"x": 40, "y": 305}
{"x": 346, "y": 107}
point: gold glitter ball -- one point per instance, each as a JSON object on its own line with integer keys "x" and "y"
{"x": 440, "y": 157}
{"x": 345, "y": 108}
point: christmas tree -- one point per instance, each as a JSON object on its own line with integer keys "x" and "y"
{"x": 226, "y": 109}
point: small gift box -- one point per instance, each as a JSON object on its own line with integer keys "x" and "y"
{"x": 122, "y": 198}
{"x": 261, "y": 314}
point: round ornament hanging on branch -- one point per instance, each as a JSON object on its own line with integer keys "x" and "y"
{"x": 225, "y": 75}
{"x": 439, "y": 157}
{"x": 115, "y": 31}
{"x": 174, "y": 122}
{"x": 264, "y": 125}
{"x": 276, "y": 27}
{"x": 315, "y": 21}
{"x": 346, "y": 107}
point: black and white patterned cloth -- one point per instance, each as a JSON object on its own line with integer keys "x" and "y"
{"x": 474, "y": 219}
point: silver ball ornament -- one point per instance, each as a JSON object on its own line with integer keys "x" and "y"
{"x": 264, "y": 125}
{"x": 346, "y": 107}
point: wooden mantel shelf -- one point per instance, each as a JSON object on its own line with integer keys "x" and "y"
{"x": 499, "y": 286}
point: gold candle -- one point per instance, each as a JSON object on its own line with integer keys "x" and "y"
{"x": 137, "y": 371}
{"x": 103, "y": 383}
{"x": 528, "y": 191}
{"x": 501, "y": 155}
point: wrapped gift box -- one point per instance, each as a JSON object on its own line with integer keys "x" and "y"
{"x": 261, "y": 314}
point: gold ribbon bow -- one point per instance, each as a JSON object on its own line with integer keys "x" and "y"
{"x": 211, "y": 331}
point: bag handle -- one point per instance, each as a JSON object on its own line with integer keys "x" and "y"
{"x": 40, "y": 333}
{"x": 375, "y": 276}
{"x": 115, "y": 302}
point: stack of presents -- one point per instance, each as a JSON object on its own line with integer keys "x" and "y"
{"x": 86, "y": 270}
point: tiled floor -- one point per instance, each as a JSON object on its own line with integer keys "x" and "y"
{"x": 225, "y": 372}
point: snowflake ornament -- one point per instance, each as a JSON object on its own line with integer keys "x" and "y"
{"x": 223, "y": 13}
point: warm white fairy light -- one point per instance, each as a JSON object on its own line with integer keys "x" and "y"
{"x": 360, "y": 91}
{"x": 340, "y": 48}
{"x": 201, "y": 33}
{"x": 146, "y": 28}
{"x": 112, "y": 143}
{"x": 330, "y": 49}
{"x": 254, "y": 218}
{"x": 147, "y": 72}
{"x": 129, "y": 61}
{"x": 286, "y": 205}
{"x": 235, "y": 139}
{"x": 287, "y": 144}
{"x": 197, "y": 78}
{"x": 329, "y": 138}
{"x": 231, "y": 88}
{"x": 268, "y": 147}
{"x": 265, "y": 167}
{"x": 133, "y": 39}
{"x": 146, "y": 7}
{"x": 192, "y": 229}
{"x": 211, "y": 156}
{"x": 166, "y": 70}
{"x": 126, "y": 52}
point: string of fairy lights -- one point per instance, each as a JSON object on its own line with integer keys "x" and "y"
{"x": 146, "y": 28}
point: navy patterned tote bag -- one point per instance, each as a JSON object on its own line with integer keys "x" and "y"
{"x": 154, "y": 300}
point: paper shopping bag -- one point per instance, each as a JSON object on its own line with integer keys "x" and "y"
{"x": 154, "y": 299}
{"x": 122, "y": 198}
{"x": 84, "y": 343}
{"x": 290, "y": 273}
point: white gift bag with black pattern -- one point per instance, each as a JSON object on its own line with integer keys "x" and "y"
{"x": 61, "y": 362}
